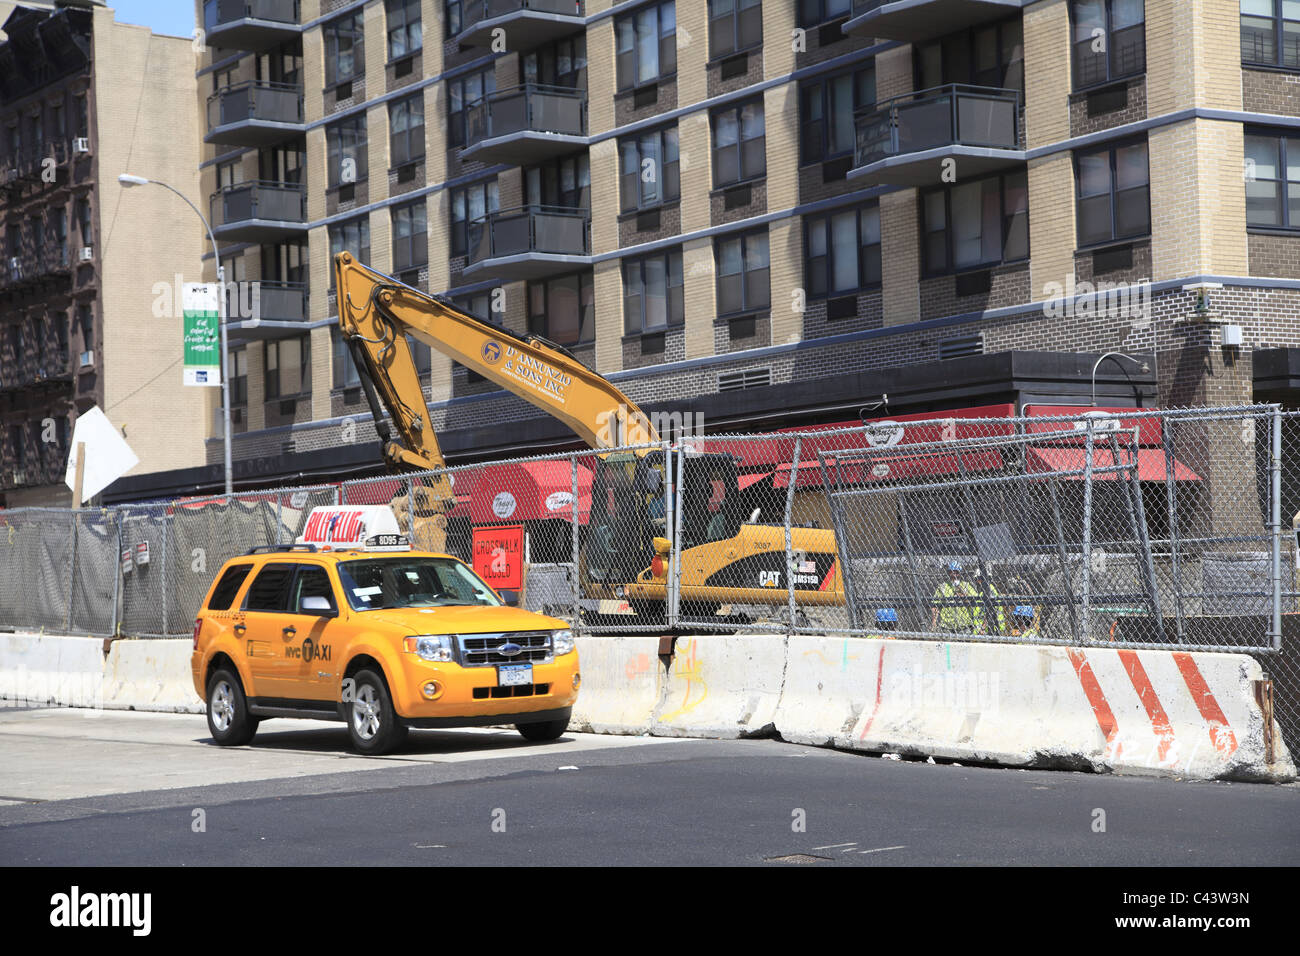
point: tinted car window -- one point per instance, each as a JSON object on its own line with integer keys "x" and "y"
{"x": 270, "y": 589}
{"x": 411, "y": 582}
{"x": 224, "y": 594}
{"x": 312, "y": 581}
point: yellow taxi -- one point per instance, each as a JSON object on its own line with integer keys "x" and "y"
{"x": 350, "y": 624}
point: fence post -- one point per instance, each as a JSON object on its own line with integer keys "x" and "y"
{"x": 1171, "y": 504}
{"x": 1275, "y": 492}
{"x": 162, "y": 566}
{"x": 1086, "y": 550}
{"x": 789, "y": 540}
{"x": 119, "y": 585}
{"x": 574, "y": 584}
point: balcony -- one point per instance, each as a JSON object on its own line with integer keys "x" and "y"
{"x": 526, "y": 124}
{"x": 253, "y": 25}
{"x": 259, "y": 211}
{"x": 254, "y": 114}
{"x": 33, "y": 369}
{"x": 918, "y": 20}
{"x": 527, "y": 23}
{"x": 904, "y": 141}
{"x": 37, "y": 469}
{"x": 32, "y": 267}
{"x": 529, "y": 242}
{"x": 270, "y": 311}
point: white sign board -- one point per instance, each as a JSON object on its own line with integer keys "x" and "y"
{"x": 108, "y": 456}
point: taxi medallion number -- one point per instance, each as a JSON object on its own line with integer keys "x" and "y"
{"x": 511, "y": 675}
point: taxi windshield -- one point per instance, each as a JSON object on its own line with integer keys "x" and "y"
{"x": 399, "y": 582}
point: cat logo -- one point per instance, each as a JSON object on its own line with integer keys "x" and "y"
{"x": 769, "y": 579}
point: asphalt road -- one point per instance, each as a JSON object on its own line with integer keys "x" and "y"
{"x": 151, "y": 789}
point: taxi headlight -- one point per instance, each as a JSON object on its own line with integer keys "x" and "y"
{"x": 562, "y": 642}
{"x": 430, "y": 647}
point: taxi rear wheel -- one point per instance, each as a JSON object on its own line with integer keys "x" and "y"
{"x": 372, "y": 722}
{"x": 229, "y": 721}
{"x": 544, "y": 730}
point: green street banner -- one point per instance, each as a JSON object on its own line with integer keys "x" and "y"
{"x": 202, "y": 333}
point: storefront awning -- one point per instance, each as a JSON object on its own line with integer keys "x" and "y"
{"x": 1150, "y": 463}
{"x": 528, "y": 491}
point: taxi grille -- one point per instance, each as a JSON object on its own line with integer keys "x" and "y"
{"x": 480, "y": 650}
{"x": 518, "y": 690}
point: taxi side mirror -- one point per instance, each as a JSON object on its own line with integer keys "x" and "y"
{"x": 316, "y": 605}
{"x": 510, "y": 597}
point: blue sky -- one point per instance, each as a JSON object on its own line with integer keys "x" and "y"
{"x": 173, "y": 17}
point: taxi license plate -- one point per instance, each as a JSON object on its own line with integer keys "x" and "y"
{"x": 511, "y": 675}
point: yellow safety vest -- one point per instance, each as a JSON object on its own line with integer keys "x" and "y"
{"x": 957, "y": 617}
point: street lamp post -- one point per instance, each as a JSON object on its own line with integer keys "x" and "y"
{"x": 1097, "y": 364}
{"x": 128, "y": 181}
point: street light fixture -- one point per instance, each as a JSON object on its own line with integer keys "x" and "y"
{"x": 128, "y": 181}
{"x": 1135, "y": 361}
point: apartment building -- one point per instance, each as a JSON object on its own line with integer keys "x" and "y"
{"x": 762, "y": 213}
{"x": 82, "y": 99}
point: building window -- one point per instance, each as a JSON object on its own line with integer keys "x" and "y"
{"x": 743, "y": 274}
{"x": 348, "y": 155}
{"x": 653, "y": 296}
{"x": 1113, "y": 194}
{"x": 406, "y": 123}
{"x": 86, "y": 322}
{"x": 345, "y": 49}
{"x": 976, "y": 224}
{"x": 648, "y": 169}
{"x": 353, "y": 237}
{"x": 410, "y": 238}
{"x": 826, "y": 109}
{"x": 404, "y": 30}
{"x": 18, "y": 442}
{"x": 991, "y": 56}
{"x": 646, "y": 45}
{"x": 239, "y": 376}
{"x": 739, "y": 144}
{"x": 734, "y": 25}
{"x": 562, "y": 182}
{"x": 287, "y": 370}
{"x": 815, "y": 12}
{"x": 563, "y": 63}
{"x": 345, "y": 369}
{"x": 479, "y": 305}
{"x": 83, "y": 117}
{"x": 84, "y": 222}
{"x": 564, "y": 309}
{"x": 842, "y": 251}
{"x": 1109, "y": 39}
{"x": 462, "y": 93}
{"x": 1270, "y": 33}
{"x": 453, "y": 17}
{"x": 467, "y": 204}
{"x": 1273, "y": 180}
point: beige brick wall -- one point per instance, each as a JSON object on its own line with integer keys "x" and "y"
{"x": 778, "y": 56}
{"x": 692, "y": 52}
{"x": 308, "y": 10}
{"x": 696, "y": 154}
{"x": 381, "y": 241}
{"x": 313, "y": 75}
{"x": 1047, "y": 72}
{"x": 318, "y": 272}
{"x": 438, "y": 219}
{"x": 322, "y": 372}
{"x": 149, "y": 123}
{"x": 1198, "y": 204}
{"x": 435, "y": 133}
{"x": 377, "y": 151}
{"x": 1051, "y": 221}
{"x": 900, "y": 254}
{"x": 1189, "y": 61}
{"x": 603, "y": 160}
{"x": 317, "y": 175}
{"x": 608, "y": 282}
{"x": 376, "y": 37}
{"x": 894, "y": 72}
{"x": 785, "y": 244}
{"x": 256, "y": 411}
{"x": 431, "y": 24}
{"x": 698, "y": 296}
{"x": 600, "y": 75}
{"x": 781, "y": 123}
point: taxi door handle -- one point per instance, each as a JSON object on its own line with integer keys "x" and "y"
{"x": 290, "y": 631}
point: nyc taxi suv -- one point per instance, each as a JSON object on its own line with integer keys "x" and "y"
{"x": 350, "y": 624}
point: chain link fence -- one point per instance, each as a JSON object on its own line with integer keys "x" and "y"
{"x": 1147, "y": 529}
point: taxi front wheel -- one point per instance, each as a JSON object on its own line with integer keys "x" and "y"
{"x": 228, "y": 718}
{"x": 544, "y": 730}
{"x": 372, "y": 722}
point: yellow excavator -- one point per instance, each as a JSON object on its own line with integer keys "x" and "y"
{"x": 727, "y": 557}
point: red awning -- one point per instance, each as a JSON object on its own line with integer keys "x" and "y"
{"x": 860, "y": 470}
{"x": 528, "y": 491}
{"x": 1150, "y": 463}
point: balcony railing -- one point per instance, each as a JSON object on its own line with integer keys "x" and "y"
{"x": 259, "y": 210}
{"x": 475, "y": 13}
{"x": 249, "y": 24}
{"x": 953, "y": 115}
{"x": 923, "y": 19}
{"x": 269, "y": 306}
{"x": 30, "y": 266}
{"x": 52, "y": 365}
{"x": 531, "y": 108}
{"x": 254, "y": 114}
{"x": 554, "y": 230}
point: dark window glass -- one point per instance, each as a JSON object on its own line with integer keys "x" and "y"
{"x": 976, "y": 224}
{"x": 734, "y": 25}
{"x": 561, "y": 182}
{"x": 743, "y": 273}
{"x": 1273, "y": 180}
{"x": 842, "y": 251}
{"x": 653, "y": 293}
{"x": 991, "y": 56}
{"x": 739, "y": 144}
{"x": 815, "y": 12}
{"x": 453, "y": 17}
{"x": 311, "y": 581}
{"x": 1109, "y": 40}
{"x": 410, "y": 236}
{"x": 345, "y": 49}
{"x": 348, "y": 154}
{"x": 345, "y": 368}
{"x": 645, "y": 45}
{"x": 270, "y": 589}
{"x": 406, "y": 126}
{"x": 1270, "y": 32}
{"x": 563, "y": 309}
{"x": 826, "y": 110}
{"x": 463, "y": 92}
{"x": 1112, "y": 194}
{"x": 353, "y": 237}
{"x": 649, "y": 169}
{"x": 469, "y": 203}
{"x": 404, "y": 29}
{"x": 562, "y": 63}
{"x": 223, "y": 595}
{"x": 287, "y": 370}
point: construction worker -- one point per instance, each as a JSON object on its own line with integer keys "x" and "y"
{"x": 947, "y": 614}
{"x": 995, "y": 605}
{"x": 886, "y": 623}
{"x": 1025, "y": 621}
